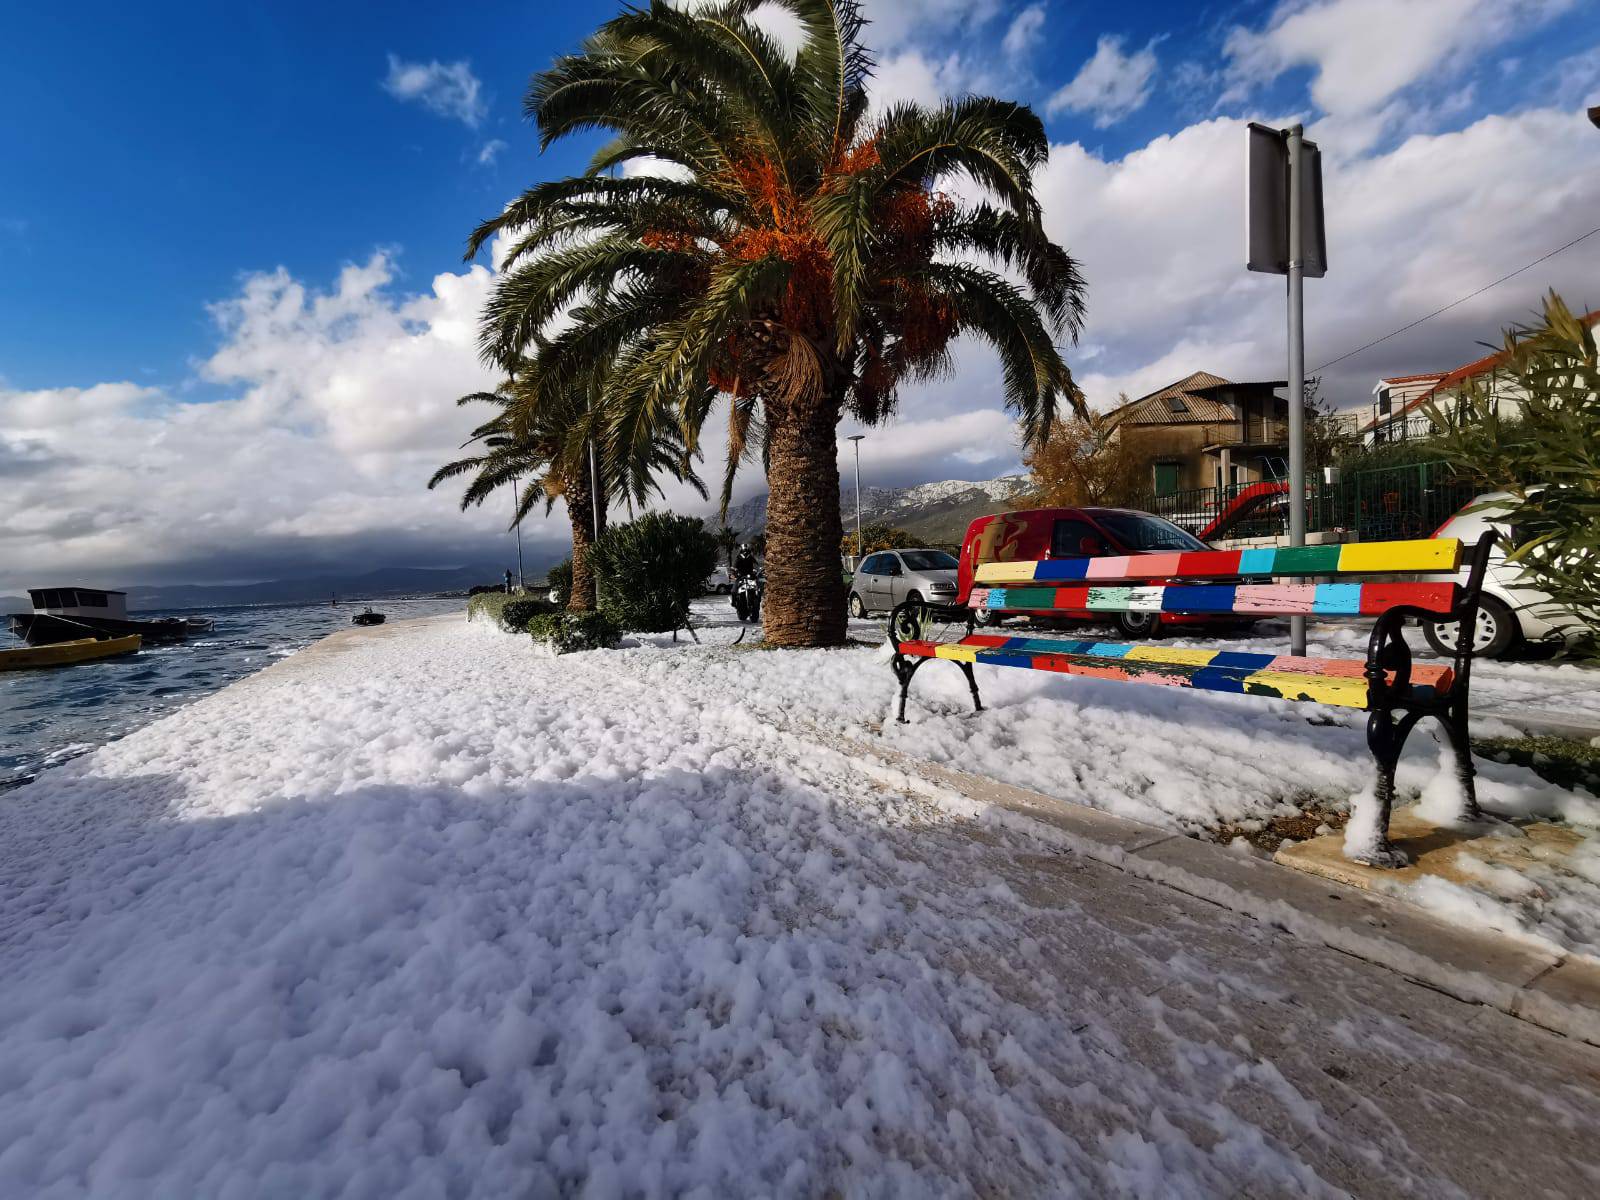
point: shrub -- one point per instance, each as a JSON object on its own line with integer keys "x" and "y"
{"x": 878, "y": 537}
{"x": 566, "y": 632}
{"x": 511, "y": 613}
{"x": 559, "y": 579}
{"x": 649, "y": 569}
{"x": 1542, "y": 453}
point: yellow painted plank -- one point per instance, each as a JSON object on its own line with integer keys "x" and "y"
{"x": 1171, "y": 654}
{"x": 1432, "y": 554}
{"x": 958, "y": 653}
{"x": 1324, "y": 689}
{"x": 1006, "y": 572}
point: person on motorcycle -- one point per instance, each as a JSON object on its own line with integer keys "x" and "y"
{"x": 744, "y": 563}
{"x": 748, "y": 585}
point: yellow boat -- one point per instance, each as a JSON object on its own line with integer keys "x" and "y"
{"x": 61, "y": 654}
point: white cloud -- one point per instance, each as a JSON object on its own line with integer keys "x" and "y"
{"x": 1364, "y": 52}
{"x": 1023, "y": 35}
{"x": 340, "y": 405}
{"x": 490, "y": 151}
{"x": 448, "y": 89}
{"x": 1159, "y": 234}
{"x": 893, "y": 23}
{"x": 1577, "y": 79}
{"x": 1110, "y": 85}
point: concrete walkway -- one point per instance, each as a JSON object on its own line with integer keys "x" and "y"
{"x": 1377, "y": 1043}
{"x": 1202, "y": 1003}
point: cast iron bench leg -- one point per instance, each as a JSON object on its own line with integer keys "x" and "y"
{"x": 972, "y": 682}
{"x": 904, "y": 669}
{"x": 1455, "y": 727}
{"x": 1386, "y": 739}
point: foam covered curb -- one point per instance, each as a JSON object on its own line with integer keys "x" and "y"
{"x": 1537, "y": 985}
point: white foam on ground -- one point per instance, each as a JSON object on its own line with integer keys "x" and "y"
{"x": 435, "y": 915}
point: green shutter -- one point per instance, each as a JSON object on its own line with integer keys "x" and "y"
{"x": 1166, "y": 478}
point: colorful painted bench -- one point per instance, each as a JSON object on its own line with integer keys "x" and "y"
{"x": 1386, "y": 684}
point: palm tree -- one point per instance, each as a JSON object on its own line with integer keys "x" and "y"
{"x": 549, "y": 445}
{"x": 799, "y": 259}
{"x": 727, "y": 540}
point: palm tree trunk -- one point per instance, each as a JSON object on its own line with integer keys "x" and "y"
{"x": 805, "y": 579}
{"x": 580, "y": 511}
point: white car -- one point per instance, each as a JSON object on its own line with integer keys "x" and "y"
{"x": 1510, "y": 611}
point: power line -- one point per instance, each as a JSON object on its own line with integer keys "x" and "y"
{"x": 1453, "y": 303}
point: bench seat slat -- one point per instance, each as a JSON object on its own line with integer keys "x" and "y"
{"x": 1251, "y": 599}
{"x": 1423, "y": 556}
{"x": 1340, "y": 682}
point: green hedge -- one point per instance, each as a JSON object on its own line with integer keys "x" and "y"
{"x": 510, "y": 612}
{"x": 559, "y": 580}
{"x": 565, "y": 632}
{"x": 649, "y": 569}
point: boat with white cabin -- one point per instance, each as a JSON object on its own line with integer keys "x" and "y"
{"x": 72, "y": 613}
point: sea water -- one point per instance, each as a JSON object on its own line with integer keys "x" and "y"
{"x": 53, "y": 714}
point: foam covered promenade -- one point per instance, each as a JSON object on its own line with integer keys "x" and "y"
{"x": 419, "y": 912}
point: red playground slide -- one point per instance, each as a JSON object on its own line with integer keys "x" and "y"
{"x": 1241, "y": 506}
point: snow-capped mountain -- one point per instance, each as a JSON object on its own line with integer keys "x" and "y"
{"x": 940, "y": 511}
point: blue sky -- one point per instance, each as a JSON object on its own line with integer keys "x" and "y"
{"x": 233, "y": 233}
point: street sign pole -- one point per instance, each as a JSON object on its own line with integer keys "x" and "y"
{"x": 1285, "y": 235}
{"x": 1297, "y": 369}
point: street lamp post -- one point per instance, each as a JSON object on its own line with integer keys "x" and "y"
{"x": 856, "y": 438}
{"x": 516, "y": 507}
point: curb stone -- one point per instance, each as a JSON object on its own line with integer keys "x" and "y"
{"x": 1541, "y": 986}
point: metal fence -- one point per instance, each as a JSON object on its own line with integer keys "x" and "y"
{"x": 1382, "y": 504}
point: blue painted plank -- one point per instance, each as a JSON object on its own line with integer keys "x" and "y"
{"x": 1204, "y": 598}
{"x": 1257, "y": 562}
{"x": 1337, "y": 599}
{"x": 1059, "y": 569}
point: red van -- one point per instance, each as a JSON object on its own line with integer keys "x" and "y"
{"x": 1042, "y": 533}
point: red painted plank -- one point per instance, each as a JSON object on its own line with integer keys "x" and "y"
{"x": 985, "y": 639}
{"x": 1072, "y": 597}
{"x": 1205, "y": 563}
{"x": 1380, "y": 597}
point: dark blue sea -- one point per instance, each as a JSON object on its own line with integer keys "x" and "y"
{"x": 50, "y": 715}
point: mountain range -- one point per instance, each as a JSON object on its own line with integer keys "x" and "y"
{"x": 937, "y": 512}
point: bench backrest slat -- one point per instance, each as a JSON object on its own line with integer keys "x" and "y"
{"x": 1428, "y": 556}
{"x": 1265, "y": 599}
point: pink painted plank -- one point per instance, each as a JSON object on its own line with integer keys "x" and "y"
{"x": 1274, "y": 598}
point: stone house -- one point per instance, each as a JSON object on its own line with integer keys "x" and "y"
{"x": 1205, "y": 431}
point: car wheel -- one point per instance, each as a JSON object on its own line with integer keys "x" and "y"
{"x": 1497, "y": 631}
{"x": 1138, "y": 624}
{"x": 988, "y": 617}
{"x": 858, "y": 610}
{"x": 913, "y": 597}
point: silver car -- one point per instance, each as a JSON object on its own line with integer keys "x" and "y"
{"x": 888, "y": 577}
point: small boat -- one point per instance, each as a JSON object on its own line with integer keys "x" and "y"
{"x": 63, "y": 654}
{"x": 69, "y": 614}
{"x": 367, "y": 618}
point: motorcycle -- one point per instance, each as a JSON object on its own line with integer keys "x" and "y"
{"x": 747, "y": 593}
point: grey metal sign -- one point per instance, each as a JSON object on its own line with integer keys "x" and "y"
{"x": 1267, "y": 237}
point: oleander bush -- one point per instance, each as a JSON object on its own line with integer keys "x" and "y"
{"x": 559, "y": 580}
{"x": 1542, "y": 452}
{"x": 649, "y": 569}
{"x": 510, "y": 612}
{"x": 567, "y": 632}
